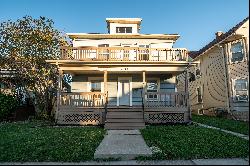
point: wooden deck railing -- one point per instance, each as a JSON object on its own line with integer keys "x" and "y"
{"x": 163, "y": 99}
{"x": 123, "y": 54}
{"x": 83, "y": 99}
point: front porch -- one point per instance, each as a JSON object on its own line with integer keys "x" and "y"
{"x": 123, "y": 100}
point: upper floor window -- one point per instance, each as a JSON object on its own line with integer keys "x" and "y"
{"x": 123, "y": 29}
{"x": 198, "y": 71}
{"x": 237, "y": 52}
{"x": 199, "y": 95}
{"x": 241, "y": 89}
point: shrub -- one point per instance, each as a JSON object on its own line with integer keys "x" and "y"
{"x": 8, "y": 105}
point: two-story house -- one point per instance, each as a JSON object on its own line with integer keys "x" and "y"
{"x": 123, "y": 78}
{"x": 220, "y": 78}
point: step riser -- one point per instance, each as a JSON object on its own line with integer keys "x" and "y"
{"x": 124, "y": 117}
{"x": 124, "y": 113}
{"x": 124, "y": 124}
{"x": 124, "y": 128}
{"x": 124, "y": 110}
{"x": 125, "y": 121}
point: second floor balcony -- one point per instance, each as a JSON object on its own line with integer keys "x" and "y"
{"x": 124, "y": 54}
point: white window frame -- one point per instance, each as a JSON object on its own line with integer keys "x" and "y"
{"x": 94, "y": 79}
{"x": 234, "y": 90}
{"x": 231, "y": 54}
{"x": 198, "y": 94}
{"x": 125, "y": 29}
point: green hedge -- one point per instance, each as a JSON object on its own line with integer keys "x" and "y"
{"x": 8, "y": 105}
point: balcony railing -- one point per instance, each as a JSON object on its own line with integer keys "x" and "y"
{"x": 164, "y": 99}
{"x": 123, "y": 54}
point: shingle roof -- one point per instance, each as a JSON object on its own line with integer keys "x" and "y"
{"x": 192, "y": 54}
{"x": 218, "y": 39}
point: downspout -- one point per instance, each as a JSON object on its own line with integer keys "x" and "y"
{"x": 226, "y": 78}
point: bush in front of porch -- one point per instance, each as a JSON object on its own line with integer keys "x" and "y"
{"x": 192, "y": 142}
{"x": 40, "y": 141}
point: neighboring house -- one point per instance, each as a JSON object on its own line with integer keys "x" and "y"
{"x": 122, "y": 79}
{"x": 220, "y": 79}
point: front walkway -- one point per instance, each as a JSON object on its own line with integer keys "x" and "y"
{"x": 122, "y": 144}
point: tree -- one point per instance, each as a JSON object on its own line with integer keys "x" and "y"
{"x": 25, "y": 44}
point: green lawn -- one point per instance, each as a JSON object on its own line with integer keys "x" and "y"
{"x": 192, "y": 142}
{"x": 35, "y": 141}
{"x": 227, "y": 124}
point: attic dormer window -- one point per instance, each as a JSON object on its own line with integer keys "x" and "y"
{"x": 123, "y": 29}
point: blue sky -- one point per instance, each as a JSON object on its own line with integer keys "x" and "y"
{"x": 196, "y": 21}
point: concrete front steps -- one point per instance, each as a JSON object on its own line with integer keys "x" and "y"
{"x": 124, "y": 119}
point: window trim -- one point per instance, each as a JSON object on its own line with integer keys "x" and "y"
{"x": 234, "y": 90}
{"x": 231, "y": 53}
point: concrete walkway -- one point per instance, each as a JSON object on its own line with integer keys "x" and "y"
{"x": 234, "y": 161}
{"x": 123, "y": 145}
{"x": 226, "y": 131}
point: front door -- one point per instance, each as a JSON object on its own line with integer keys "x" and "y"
{"x": 124, "y": 89}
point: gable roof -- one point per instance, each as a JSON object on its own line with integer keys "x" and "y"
{"x": 219, "y": 39}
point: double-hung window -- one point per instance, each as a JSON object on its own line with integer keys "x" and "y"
{"x": 237, "y": 52}
{"x": 199, "y": 94}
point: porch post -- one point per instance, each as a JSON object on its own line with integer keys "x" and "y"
{"x": 143, "y": 82}
{"x": 106, "y": 93}
{"x": 186, "y": 92}
{"x": 105, "y": 81}
{"x": 143, "y": 90}
{"x": 59, "y": 89}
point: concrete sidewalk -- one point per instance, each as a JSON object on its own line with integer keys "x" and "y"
{"x": 234, "y": 161}
{"x": 122, "y": 144}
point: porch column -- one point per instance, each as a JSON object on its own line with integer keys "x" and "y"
{"x": 59, "y": 89}
{"x": 105, "y": 81}
{"x": 144, "y": 82}
{"x": 186, "y": 92}
{"x": 143, "y": 91}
